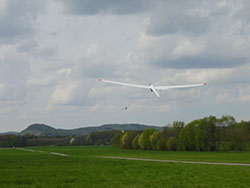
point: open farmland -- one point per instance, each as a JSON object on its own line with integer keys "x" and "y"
{"x": 80, "y": 167}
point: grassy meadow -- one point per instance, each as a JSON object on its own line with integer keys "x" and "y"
{"x": 82, "y": 168}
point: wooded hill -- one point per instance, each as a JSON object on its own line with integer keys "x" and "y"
{"x": 45, "y": 130}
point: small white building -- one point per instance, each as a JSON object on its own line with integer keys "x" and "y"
{"x": 71, "y": 141}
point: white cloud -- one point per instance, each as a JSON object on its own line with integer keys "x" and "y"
{"x": 6, "y": 110}
{"x": 188, "y": 48}
{"x": 66, "y": 71}
{"x": 104, "y": 90}
{"x": 92, "y": 50}
{"x": 213, "y": 77}
{"x": 240, "y": 95}
{"x": 63, "y": 93}
{"x": 163, "y": 108}
{"x": 136, "y": 107}
{"x": 94, "y": 108}
{"x": 110, "y": 108}
{"x": 225, "y": 97}
{"x": 244, "y": 95}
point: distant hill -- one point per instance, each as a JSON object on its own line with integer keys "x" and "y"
{"x": 40, "y": 130}
{"x": 10, "y": 133}
{"x": 46, "y": 130}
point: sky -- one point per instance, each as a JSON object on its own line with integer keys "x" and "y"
{"x": 53, "y": 51}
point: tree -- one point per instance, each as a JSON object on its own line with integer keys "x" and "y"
{"x": 127, "y": 139}
{"x": 177, "y": 127}
{"x": 200, "y": 138}
{"x": 181, "y": 140}
{"x": 81, "y": 140}
{"x": 154, "y": 138}
{"x": 206, "y": 136}
{"x": 144, "y": 141}
{"x": 238, "y": 136}
{"x": 124, "y": 143}
{"x": 101, "y": 138}
{"x": 115, "y": 140}
{"x": 172, "y": 144}
{"x": 225, "y": 131}
{"x": 162, "y": 143}
{"x": 13, "y": 140}
{"x": 227, "y": 121}
{"x": 187, "y": 136}
{"x": 212, "y": 139}
{"x": 135, "y": 143}
{"x": 166, "y": 133}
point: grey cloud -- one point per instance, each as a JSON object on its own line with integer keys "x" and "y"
{"x": 14, "y": 72}
{"x": 14, "y": 68}
{"x": 173, "y": 17}
{"x": 208, "y": 54}
{"x": 94, "y": 66}
{"x": 215, "y": 25}
{"x": 16, "y": 19}
{"x": 26, "y": 46}
{"x": 90, "y": 7}
{"x": 201, "y": 62}
{"x": 244, "y": 16}
{"x": 94, "y": 70}
{"x": 243, "y": 13}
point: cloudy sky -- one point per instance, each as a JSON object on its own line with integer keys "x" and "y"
{"x": 53, "y": 51}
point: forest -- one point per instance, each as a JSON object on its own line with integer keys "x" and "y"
{"x": 206, "y": 134}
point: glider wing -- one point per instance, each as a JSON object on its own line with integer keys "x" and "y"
{"x": 124, "y": 84}
{"x": 178, "y": 86}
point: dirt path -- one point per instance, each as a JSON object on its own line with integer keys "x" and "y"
{"x": 53, "y": 153}
{"x": 174, "y": 161}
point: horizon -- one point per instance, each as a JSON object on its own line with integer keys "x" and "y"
{"x": 65, "y": 128}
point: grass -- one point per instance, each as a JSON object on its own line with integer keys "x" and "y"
{"x": 82, "y": 169}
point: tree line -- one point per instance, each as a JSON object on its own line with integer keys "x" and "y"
{"x": 94, "y": 138}
{"x": 206, "y": 134}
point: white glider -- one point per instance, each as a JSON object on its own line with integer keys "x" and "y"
{"x": 152, "y": 87}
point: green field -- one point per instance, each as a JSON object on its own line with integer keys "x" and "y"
{"x": 82, "y": 168}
